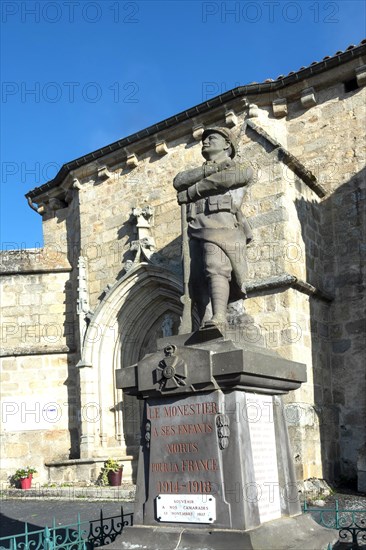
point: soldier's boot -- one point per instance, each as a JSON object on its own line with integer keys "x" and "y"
{"x": 219, "y": 292}
{"x": 201, "y": 299}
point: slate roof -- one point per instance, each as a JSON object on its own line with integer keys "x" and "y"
{"x": 268, "y": 85}
{"x": 326, "y": 58}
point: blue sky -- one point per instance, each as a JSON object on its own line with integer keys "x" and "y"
{"x": 77, "y": 75}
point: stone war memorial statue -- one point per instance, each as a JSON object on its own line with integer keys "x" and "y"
{"x": 215, "y": 464}
{"x": 218, "y": 232}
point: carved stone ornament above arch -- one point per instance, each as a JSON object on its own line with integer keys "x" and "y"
{"x": 122, "y": 329}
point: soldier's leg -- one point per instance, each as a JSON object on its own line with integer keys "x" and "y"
{"x": 218, "y": 275}
{"x": 198, "y": 284}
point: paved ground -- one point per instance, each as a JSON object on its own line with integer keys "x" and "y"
{"x": 65, "y": 507}
{"x": 39, "y": 513}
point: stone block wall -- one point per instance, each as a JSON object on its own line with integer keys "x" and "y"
{"x": 40, "y": 413}
{"x": 40, "y": 397}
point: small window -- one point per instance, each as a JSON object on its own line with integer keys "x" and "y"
{"x": 350, "y": 85}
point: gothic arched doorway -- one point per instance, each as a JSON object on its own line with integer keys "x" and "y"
{"x": 138, "y": 309}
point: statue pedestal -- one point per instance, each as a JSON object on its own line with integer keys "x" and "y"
{"x": 215, "y": 467}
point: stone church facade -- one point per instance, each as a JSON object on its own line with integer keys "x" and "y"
{"x": 108, "y": 281}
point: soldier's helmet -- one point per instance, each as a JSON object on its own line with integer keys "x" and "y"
{"x": 225, "y": 132}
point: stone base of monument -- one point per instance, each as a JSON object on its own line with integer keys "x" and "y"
{"x": 294, "y": 533}
{"x": 215, "y": 466}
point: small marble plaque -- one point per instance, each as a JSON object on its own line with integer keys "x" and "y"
{"x": 20, "y": 414}
{"x": 262, "y": 434}
{"x": 186, "y": 508}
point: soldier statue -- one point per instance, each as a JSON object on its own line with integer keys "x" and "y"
{"x": 218, "y": 232}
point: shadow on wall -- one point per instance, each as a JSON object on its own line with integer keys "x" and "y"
{"x": 71, "y": 217}
{"x": 336, "y": 264}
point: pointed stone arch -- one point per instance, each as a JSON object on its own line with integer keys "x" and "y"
{"x": 122, "y": 329}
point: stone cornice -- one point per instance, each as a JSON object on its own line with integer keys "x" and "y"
{"x": 33, "y": 261}
{"x": 36, "y": 350}
{"x": 286, "y": 281}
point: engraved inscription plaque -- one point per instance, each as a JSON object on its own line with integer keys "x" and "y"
{"x": 186, "y": 508}
{"x": 185, "y": 457}
{"x": 184, "y": 454}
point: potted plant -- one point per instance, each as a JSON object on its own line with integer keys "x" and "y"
{"x": 112, "y": 473}
{"x": 24, "y": 477}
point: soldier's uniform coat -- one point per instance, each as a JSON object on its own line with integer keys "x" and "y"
{"x": 214, "y": 216}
